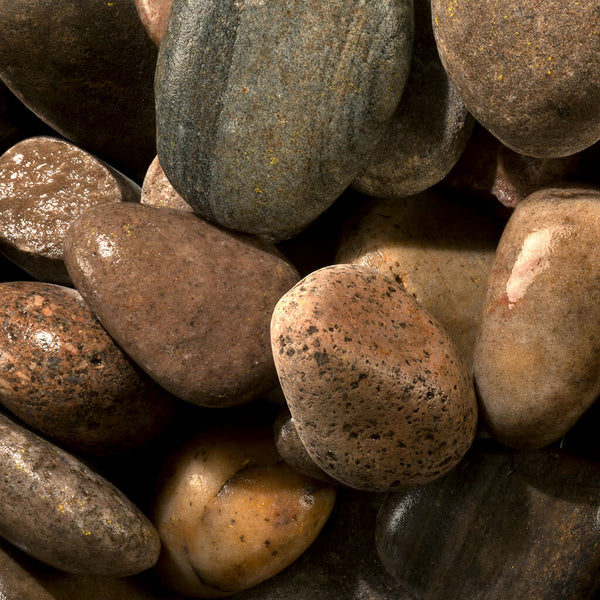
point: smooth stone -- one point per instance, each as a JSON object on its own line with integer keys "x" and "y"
{"x": 379, "y": 394}
{"x": 490, "y": 170}
{"x": 500, "y": 525}
{"x": 87, "y": 70}
{"x": 158, "y": 191}
{"x": 63, "y": 375}
{"x": 292, "y": 450}
{"x": 438, "y": 248}
{"x": 231, "y": 513}
{"x": 528, "y": 72}
{"x": 45, "y": 184}
{"x": 267, "y": 111}
{"x": 189, "y": 302}
{"x": 61, "y": 512}
{"x": 429, "y": 130}
{"x": 536, "y": 362}
{"x": 154, "y": 15}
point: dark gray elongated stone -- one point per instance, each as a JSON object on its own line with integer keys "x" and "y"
{"x": 500, "y": 525}
{"x": 266, "y": 111}
{"x": 86, "y": 68}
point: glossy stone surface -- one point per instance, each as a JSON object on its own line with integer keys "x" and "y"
{"x": 154, "y": 14}
{"x": 231, "y": 513}
{"x": 45, "y": 184}
{"x": 187, "y": 301}
{"x": 536, "y": 362}
{"x": 527, "y": 71}
{"x": 63, "y": 375}
{"x": 380, "y": 396}
{"x": 436, "y": 247}
{"x": 267, "y": 111}
{"x": 61, "y": 512}
{"x": 500, "y": 525}
{"x": 158, "y": 191}
{"x": 86, "y": 68}
{"x": 430, "y": 127}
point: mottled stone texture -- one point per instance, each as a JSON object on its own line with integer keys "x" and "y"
{"x": 436, "y": 247}
{"x": 45, "y": 184}
{"x": 429, "y": 130}
{"x": 380, "y": 396}
{"x": 187, "y": 301}
{"x": 537, "y": 359}
{"x": 158, "y": 191}
{"x": 266, "y": 111}
{"x": 64, "y": 514}
{"x": 86, "y": 68}
{"x": 527, "y": 71}
{"x": 500, "y": 525}
{"x": 63, "y": 375}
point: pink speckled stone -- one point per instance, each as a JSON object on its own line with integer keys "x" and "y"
{"x": 158, "y": 191}
{"x": 153, "y": 15}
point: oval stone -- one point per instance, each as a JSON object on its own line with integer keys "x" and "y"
{"x": 61, "y": 512}
{"x": 86, "y": 68}
{"x": 187, "y": 301}
{"x": 266, "y": 111}
{"x": 63, "y": 375}
{"x": 527, "y": 71}
{"x": 537, "y": 360}
{"x": 380, "y": 396}
{"x": 45, "y": 184}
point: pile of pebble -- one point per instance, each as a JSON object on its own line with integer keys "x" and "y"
{"x": 297, "y": 299}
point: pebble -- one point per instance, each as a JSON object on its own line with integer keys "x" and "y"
{"x": 438, "y": 248}
{"x": 153, "y": 15}
{"x": 87, "y": 70}
{"x": 537, "y": 360}
{"x": 379, "y": 394}
{"x": 528, "y": 72}
{"x": 501, "y": 525}
{"x": 429, "y": 129}
{"x": 45, "y": 184}
{"x": 189, "y": 302}
{"x": 158, "y": 191}
{"x": 231, "y": 513}
{"x": 267, "y": 111}
{"x": 61, "y": 512}
{"x": 63, "y": 375}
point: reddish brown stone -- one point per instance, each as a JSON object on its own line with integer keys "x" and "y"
{"x": 158, "y": 191}
{"x": 153, "y": 14}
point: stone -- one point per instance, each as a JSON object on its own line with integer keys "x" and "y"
{"x": 231, "y": 513}
{"x": 87, "y": 70}
{"x": 63, "y": 375}
{"x": 158, "y": 191}
{"x": 45, "y": 184}
{"x": 528, "y": 72}
{"x": 438, "y": 248}
{"x": 61, "y": 512}
{"x": 430, "y": 127}
{"x": 379, "y": 394}
{"x": 154, "y": 14}
{"x": 189, "y": 302}
{"x": 501, "y": 525}
{"x": 267, "y": 111}
{"x": 536, "y": 362}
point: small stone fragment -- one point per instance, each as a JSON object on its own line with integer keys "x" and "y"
{"x": 61, "y": 512}
{"x": 154, "y": 14}
{"x": 45, "y": 183}
{"x": 380, "y": 396}
{"x": 537, "y": 359}
{"x": 158, "y": 191}
{"x": 189, "y": 302}
{"x": 500, "y": 525}
{"x": 231, "y": 513}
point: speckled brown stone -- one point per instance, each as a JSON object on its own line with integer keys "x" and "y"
{"x": 501, "y": 525}
{"x": 436, "y": 247}
{"x": 380, "y": 396}
{"x": 188, "y": 301}
{"x": 63, "y": 375}
{"x": 64, "y": 514}
{"x": 537, "y": 360}
{"x": 45, "y": 183}
{"x": 158, "y": 191}
{"x": 154, "y": 14}
{"x": 430, "y": 127}
{"x": 87, "y": 69}
{"x": 527, "y": 71}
